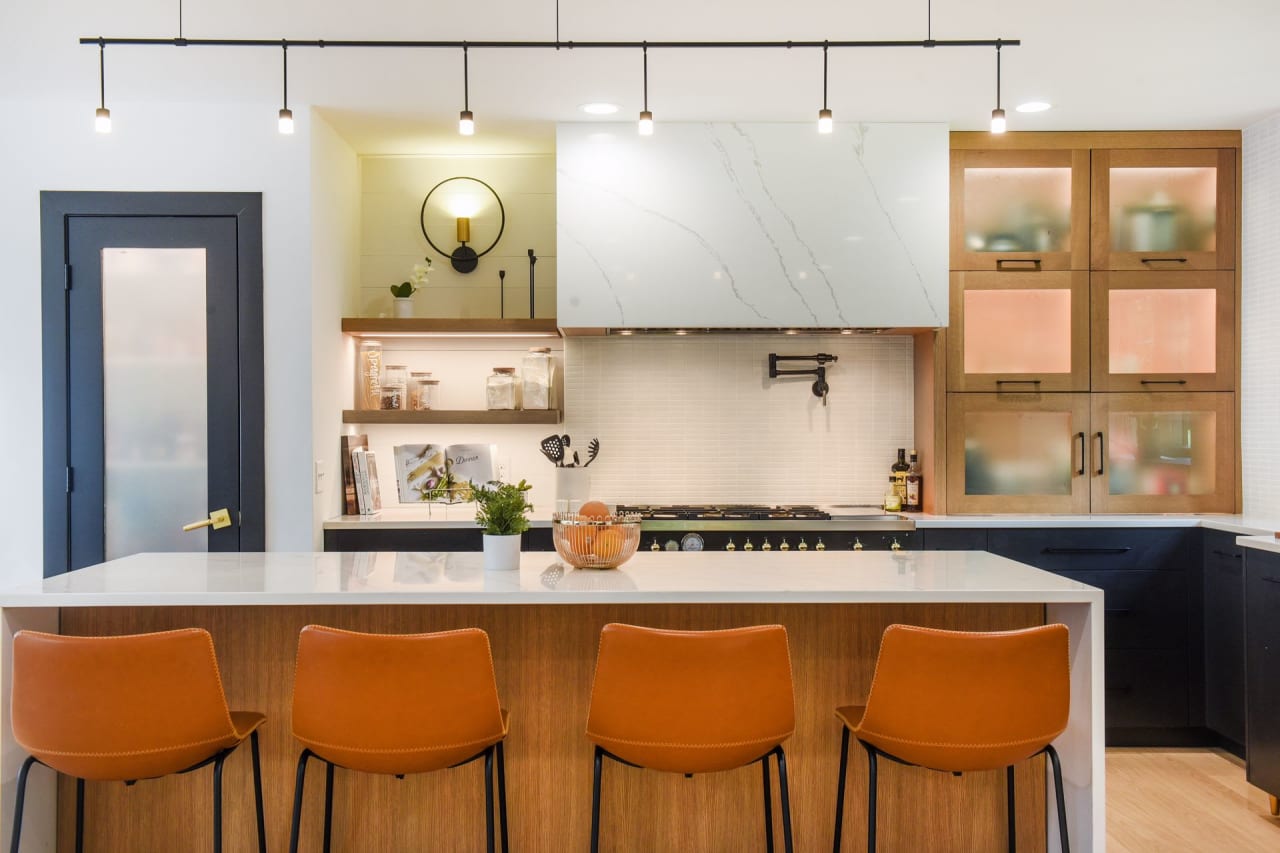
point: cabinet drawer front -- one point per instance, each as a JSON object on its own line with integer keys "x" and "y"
{"x": 946, "y": 539}
{"x": 1262, "y": 669}
{"x": 1146, "y": 689}
{"x": 1144, "y": 610}
{"x": 1224, "y": 654}
{"x": 1099, "y": 549}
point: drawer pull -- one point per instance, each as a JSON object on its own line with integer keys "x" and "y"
{"x": 1102, "y": 453}
{"x": 1099, "y": 551}
{"x": 1269, "y": 580}
{"x": 1080, "y": 470}
{"x": 1222, "y": 553}
{"x": 1008, "y": 263}
{"x": 1017, "y": 381}
{"x": 1162, "y": 381}
{"x": 1164, "y": 260}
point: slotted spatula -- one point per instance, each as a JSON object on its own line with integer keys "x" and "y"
{"x": 553, "y": 449}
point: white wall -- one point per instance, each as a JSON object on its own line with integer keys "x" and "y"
{"x": 1259, "y": 317}
{"x": 50, "y": 145}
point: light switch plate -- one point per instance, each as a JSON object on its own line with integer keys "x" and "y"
{"x": 320, "y": 476}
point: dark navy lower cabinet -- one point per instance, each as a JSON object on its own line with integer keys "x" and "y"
{"x": 1262, "y": 669}
{"x": 952, "y": 539}
{"x": 434, "y": 539}
{"x": 1224, "y": 656}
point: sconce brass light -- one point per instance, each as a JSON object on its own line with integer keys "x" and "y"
{"x": 464, "y": 259}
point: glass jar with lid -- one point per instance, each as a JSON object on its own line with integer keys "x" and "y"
{"x": 536, "y": 374}
{"x": 500, "y": 388}
{"x": 415, "y": 377}
{"x": 422, "y": 393}
{"x": 395, "y": 386}
{"x": 368, "y": 375}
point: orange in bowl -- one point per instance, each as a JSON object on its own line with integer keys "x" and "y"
{"x": 594, "y": 509}
{"x": 608, "y": 543}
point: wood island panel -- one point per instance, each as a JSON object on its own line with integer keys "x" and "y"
{"x": 544, "y": 656}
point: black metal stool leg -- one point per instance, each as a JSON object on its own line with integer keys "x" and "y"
{"x": 786, "y": 799}
{"x": 1013, "y": 822}
{"x": 502, "y": 794}
{"x": 1062, "y": 800}
{"x": 257, "y": 792}
{"x": 297, "y": 800}
{"x": 871, "y": 798}
{"x": 217, "y": 802}
{"x": 17, "y": 806}
{"x": 844, "y": 769}
{"x": 79, "y": 816}
{"x": 488, "y": 800}
{"x": 768, "y": 806}
{"x": 328, "y": 807}
{"x": 595, "y": 804}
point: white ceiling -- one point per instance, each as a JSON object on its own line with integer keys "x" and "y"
{"x": 1104, "y": 64}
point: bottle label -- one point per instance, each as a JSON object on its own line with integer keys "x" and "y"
{"x": 913, "y": 493}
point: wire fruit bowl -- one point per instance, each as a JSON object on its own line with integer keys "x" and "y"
{"x": 595, "y": 543}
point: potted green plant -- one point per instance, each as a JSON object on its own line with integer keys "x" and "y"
{"x": 502, "y": 510}
{"x": 403, "y": 292}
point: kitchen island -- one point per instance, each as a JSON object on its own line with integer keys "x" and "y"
{"x": 544, "y": 623}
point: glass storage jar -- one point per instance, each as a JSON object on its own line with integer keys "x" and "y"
{"x": 368, "y": 375}
{"x": 536, "y": 373}
{"x": 395, "y": 385}
{"x": 500, "y": 388}
{"x": 415, "y": 377}
{"x": 422, "y": 397}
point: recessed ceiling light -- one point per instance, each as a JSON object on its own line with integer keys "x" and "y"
{"x": 599, "y": 109}
{"x": 1033, "y": 107}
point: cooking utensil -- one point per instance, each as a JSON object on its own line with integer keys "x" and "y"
{"x": 575, "y": 459}
{"x": 553, "y": 449}
{"x": 592, "y": 449}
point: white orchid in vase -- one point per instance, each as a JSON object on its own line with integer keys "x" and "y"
{"x": 417, "y": 279}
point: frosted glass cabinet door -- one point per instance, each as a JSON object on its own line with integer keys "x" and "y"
{"x": 1163, "y": 453}
{"x": 1017, "y": 453}
{"x": 1164, "y": 331}
{"x": 1019, "y": 210}
{"x": 1019, "y": 331}
{"x": 1173, "y": 209}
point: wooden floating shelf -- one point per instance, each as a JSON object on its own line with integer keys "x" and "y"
{"x": 453, "y": 416}
{"x": 435, "y": 326}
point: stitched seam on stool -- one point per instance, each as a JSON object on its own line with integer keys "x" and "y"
{"x": 160, "y": 749}
{"x": 1047, "y": 738}
{"x": 771, "y": 739}
{"x": 399, "y": 749}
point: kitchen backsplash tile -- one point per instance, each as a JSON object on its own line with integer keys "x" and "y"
{"x": 1259, "y": 317}
{"x": 697, "y": 419}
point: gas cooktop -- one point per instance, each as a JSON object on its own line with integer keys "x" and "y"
{"x": 727, "y": 512}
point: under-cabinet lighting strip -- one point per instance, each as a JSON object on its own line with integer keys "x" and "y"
{"x": 549, "y": 45}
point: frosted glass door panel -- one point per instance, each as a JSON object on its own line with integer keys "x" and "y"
{"x": 1017, "y": 209}
{"x": 1018, "y": 453}
{"x": 1161, "y": 453}
{"x": 1166, "y": 209}
{"x": 1017, "y": 331}
{"x": 155, "y": 399}
{"x": 1162, "y": 331}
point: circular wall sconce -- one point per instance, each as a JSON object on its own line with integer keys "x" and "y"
{"x": 462, "y": 206}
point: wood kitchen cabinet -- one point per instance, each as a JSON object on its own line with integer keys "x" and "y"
{"x": 1164, "y": 209}
{"x": 1163, "y": 331}
{"x": 1019, "y": 210}
{"x": 1019, "y": 331}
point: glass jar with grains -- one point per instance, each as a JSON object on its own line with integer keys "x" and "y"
{"x": 500, "y": 388}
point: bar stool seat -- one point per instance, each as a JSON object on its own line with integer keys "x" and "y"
{"x": 693, "y": 702}
{"x": 395, "y": 705}
{"x": 120, "y": 709}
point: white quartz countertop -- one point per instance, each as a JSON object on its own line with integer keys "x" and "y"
{"x": 1262, "y": 543}
{"x": 278, "y": 578}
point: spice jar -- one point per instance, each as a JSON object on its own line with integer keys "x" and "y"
{"x": 500, "y": 388}
{"x": 395, "y": 383}
{"x": 368, "y": 375}
{"x": 536, "y": 371}
{"x": 422, "y": 396}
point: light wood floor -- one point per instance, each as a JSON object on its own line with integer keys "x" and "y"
{"x": 1185, "y": 800}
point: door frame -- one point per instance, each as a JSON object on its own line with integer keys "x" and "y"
{"x": 56, "y": 211}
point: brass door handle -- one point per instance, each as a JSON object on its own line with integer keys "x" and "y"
{"x": 217, "y": 519}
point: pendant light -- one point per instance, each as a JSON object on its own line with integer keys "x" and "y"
{"x": 824, "y": 114}
{"x": 286, "y": 114}
{"x": 466, "y": 122}
{"x": 646, "y": 117}
{"x": 997, "y": 115}
{"x": 102, "y": 118}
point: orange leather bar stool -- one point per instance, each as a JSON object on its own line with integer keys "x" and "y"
{"x": 693, "y": 702}
{"x": 960, "y": 701}
{"x": 397, "y": 704}
{"x": 126, "y": 708}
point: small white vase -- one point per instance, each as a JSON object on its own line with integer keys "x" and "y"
{"x": 502, "y": 553}
{"x": 404, "y": 306}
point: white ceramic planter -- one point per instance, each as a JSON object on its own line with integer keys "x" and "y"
{"x": 404, "y": 306}
{"x": 501, "y": 553}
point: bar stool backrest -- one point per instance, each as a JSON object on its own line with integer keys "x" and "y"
{"x": 960, "y": 701}
{"x": 118, "y": 708}
{"x": 691, "y": 701}
{"x": 395, "y": 703}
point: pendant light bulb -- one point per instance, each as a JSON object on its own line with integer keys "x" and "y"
{"x": 466, "y": 123}
{"x": 286, "y": 121}
{"x": 824, "y": 121}
{"x": 646, "y": 123}
{"x": 997, "y": 121}
{"x": 102, "y": 120}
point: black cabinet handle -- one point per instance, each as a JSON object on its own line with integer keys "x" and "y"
{"x": 1082, "y": 550}
{"x": 1269, "y": 580}
{"x": 1005, "y": 263}
{"x": 1080, "y": 438}
{"x": 1102, "y": 453}
{"x": 1222, "y": 553}
{"x": 1164, "y": 260}
{"x": 1162, "y": 381}
{"x": 1017, "y": 381}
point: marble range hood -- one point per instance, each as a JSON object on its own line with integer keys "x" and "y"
{"x": 752, "y": 227}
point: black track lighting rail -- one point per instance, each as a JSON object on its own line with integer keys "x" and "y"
{"x": 548, "y": 45}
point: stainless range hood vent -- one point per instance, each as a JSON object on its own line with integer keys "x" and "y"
{"x": 835, "y": 330}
